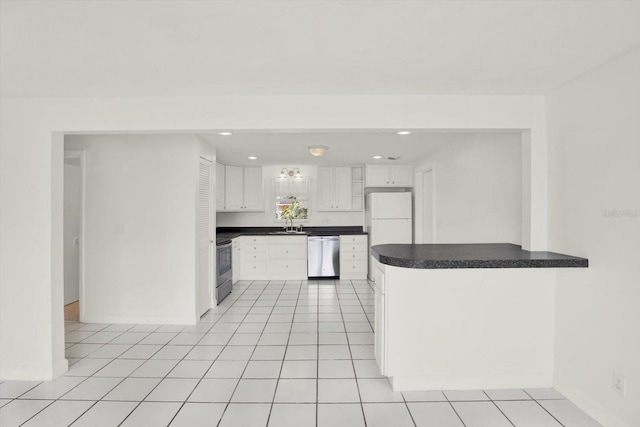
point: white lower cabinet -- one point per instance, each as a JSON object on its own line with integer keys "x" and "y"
{"x": 274, "y": 258}
{"x": 353, "y": 257}
{"x": 253, "y": 257}
{"x": 236, "y": 259}
{"x": 285, "y": 257}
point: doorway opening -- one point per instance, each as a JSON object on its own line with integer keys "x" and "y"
{"x": 73, "y": 212}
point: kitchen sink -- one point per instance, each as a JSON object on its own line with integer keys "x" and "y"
{"x": 289, "y": 232}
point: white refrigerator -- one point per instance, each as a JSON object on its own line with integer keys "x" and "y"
{"x": 388, "y": 219}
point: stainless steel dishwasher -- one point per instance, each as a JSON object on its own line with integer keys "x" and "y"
{"x": 323, "y": 257}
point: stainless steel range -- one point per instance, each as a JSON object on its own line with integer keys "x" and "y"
{"x": 224, "y": 272}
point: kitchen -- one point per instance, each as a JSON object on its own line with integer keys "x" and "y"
{"x": 262, "y": 249}
{"x": 471, "y": 163}
{"x": 543, "y": 71}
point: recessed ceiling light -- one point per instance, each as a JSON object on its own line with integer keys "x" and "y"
{"x": 252, "y": 158}
{"x": 225, "y": 133}
{"x": 404, "y": 132}
{"x": 376, "y": 157}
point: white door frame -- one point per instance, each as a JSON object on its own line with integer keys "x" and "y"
{"x": 419, "y": 235}
{"x": 80, "y": 155}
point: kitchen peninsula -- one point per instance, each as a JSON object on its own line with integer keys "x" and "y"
{"x": 466, "y": 316}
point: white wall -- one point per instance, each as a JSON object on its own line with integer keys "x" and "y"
{"x": 139, "y": 228}
{"x": 266, "y": 218}
{"x": 594, "y": 131}
{"x": 477, "y": 190}
{"x": 31, "y": 165}
{"x": 72, "y": 210}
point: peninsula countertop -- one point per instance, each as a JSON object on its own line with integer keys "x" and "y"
{"x": 471, "y": 255}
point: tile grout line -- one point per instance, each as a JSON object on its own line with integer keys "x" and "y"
{"x": 498, "y": 408}
{"x": 77, "y": 385}
{"x": 184, "y": 402}
{"x": 545, "y": 409}
{"x": 286, "y": 346}
{"x": 454, "y": 409}
{"x": 254, "y": 347}
{"x": 161, "y": 379}
{"x": 353, "y": 366}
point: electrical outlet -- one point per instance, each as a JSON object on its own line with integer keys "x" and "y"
{"x": 620, "y": 384}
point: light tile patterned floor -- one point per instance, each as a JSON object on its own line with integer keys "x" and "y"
{"x": 272, "y": 354}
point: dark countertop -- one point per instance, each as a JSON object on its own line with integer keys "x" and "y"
{"x": 472, "y": 255}
{"x": 225, "y": 234}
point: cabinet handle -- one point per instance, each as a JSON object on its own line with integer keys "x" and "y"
{"x": 286, "y": 252}
{"x": 387, "y": 182}
{"x": 353, "y": 256}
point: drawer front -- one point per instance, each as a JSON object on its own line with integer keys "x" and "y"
{"x": 353, "y": 267}
{"x": 254, "y": 256}
{"x": 255, "y": 240}
{"x": 280, "y": 268}
{"x": 251, "y": 268}
{"x": 288, "y": 252}
{"x": 254, "y": 248}
{"x": 353, "y": 256}
{"x": 360, "y": 238}
{"x": 353, "y": 247}
{"x": 287, "y": 240}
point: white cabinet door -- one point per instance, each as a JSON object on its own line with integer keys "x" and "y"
{"x": 220, "y": 179}
{"x": 389, "y": 176}
{"x": 401, "y": 175}
{"x": 380, "y": 341}
{"x": 326, "y": 185}
{"x": 377, "y": 175}
{"x": 253, "y": 200}
{"x": 233, "y": 188}
{"x": 342, "y": 189}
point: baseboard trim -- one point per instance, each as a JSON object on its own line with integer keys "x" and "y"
{"x": 474, "y": 382}
{"x": 24, "y": 373}
{"x": 60, "y": 368}
{"x": 141, "y": 320}
{"x": 589, "y": 406}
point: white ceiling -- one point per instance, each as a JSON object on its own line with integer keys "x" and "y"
{"x": 354, "y": 147}
{"x": 165, "y": 48}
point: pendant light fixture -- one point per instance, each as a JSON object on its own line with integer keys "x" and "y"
{"x": 293, "y": 173}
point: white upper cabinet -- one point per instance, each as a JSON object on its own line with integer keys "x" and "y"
{"x": 220, "y": 190}
{"x": 243, "y": 189}
{"x": 253, "y": 189}
{"x": 342, "y": 194}
{"x": 401, "y": 175}
{"x": 389, "y": 176}
{"x": 233, "y": 189}
{"x": 334, "y": 188}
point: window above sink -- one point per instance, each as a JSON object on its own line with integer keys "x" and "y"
{"x": 291, "y": 200}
